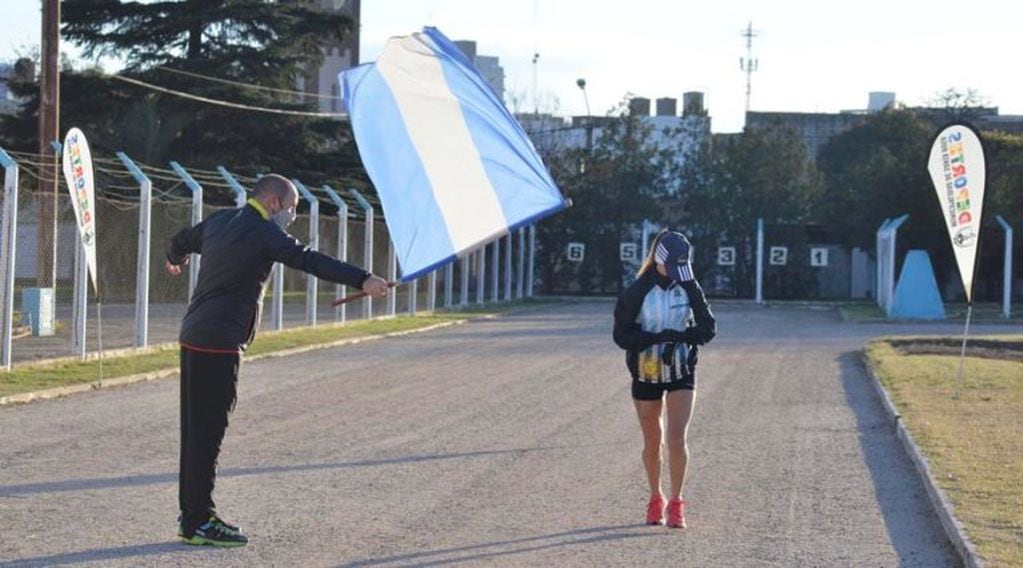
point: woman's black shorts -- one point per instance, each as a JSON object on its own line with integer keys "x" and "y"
{"x": 643, "y": 390}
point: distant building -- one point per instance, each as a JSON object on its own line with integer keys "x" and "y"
{"x": 322, "y": 83}
{"x": 550, "y": 133}
{"x": 817, "y": 128}
{"x": 489, "y": 66}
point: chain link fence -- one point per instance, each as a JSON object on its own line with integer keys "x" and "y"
{"x": 118, "y": 208}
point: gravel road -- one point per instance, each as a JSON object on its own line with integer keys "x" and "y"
{"x": 509, "y": 441}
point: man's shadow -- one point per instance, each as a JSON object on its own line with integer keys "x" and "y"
{"x": 158, "y": 478}
{"x": 100, "y": 554}
{"x": 502, "y": 548}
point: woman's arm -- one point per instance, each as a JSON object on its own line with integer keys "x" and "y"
{"x": 706, "y": 326}
{"x": 627, "y": 333}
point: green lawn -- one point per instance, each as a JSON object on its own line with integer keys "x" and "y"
{"x": 974, "y": 442}
{"x": 32, "y": 377}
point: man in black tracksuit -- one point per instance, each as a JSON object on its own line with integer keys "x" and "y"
{"x": 238, "y": 248}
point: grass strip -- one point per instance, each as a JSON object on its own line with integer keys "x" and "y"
{"x": 973, "y": 442}
{"x": 44, "y": 375}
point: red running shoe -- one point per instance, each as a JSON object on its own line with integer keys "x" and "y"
{"x": 677, "y": 513}
{"x": 655, "y": 510}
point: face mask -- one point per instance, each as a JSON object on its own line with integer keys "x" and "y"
{"x": 284, "y": 218}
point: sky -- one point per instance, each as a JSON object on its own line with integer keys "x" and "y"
{"x": 814, "y": 56}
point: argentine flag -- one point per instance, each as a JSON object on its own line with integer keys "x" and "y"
{"x": 452, "y": 166}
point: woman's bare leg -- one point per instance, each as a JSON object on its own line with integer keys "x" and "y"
{"x": 649, "y": 412}
{"x": 679, "y": 406}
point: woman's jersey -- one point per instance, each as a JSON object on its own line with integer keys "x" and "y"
{"x": 663, "y": 310}
{"x": 653, "y": 304}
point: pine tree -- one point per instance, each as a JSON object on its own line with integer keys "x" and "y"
{"x": 255, "y": 42}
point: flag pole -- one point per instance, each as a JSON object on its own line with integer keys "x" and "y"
{"x": 99, "y": 331}
{"x": 962, "y": 352}
{"x": 357, "y": 296}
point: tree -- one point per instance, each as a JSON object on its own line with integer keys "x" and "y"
{"x": 729, "y": 183}
{"x": 953, "y": 104}
{"x": 877, "y": 171}
{"x": 252, "y": 42}
{"x": 613, "y": 188}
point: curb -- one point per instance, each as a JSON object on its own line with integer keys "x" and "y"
{"x": 946, "y": 512}
{"x": 60, "y": 392}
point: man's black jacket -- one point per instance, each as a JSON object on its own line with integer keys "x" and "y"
{"x": 238, "y": 248}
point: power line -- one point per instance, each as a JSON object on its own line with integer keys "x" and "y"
{"x": 228, "y": 103}
{"x": 246, "y": 85}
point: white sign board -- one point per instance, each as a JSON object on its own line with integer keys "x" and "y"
{"x": 819, "y": 256}
{"x": 779, "y": 256}
{"x": 576, "y": 251}
{"x": 726, "y": 256}
{"x": 628, "y": 252}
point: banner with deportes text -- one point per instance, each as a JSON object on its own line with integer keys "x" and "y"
{"x": 78, "y": 175}
{"x": 959, "y": 172}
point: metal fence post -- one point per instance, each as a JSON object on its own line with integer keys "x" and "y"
{"x": 463, "y": 300}
{"x": 495, "y": 271}
{"x": 520, "y": 276}
{"x": 431, "y": 292}
{"x": 367, "y": 248}
{"x": 79, "y": 301}
{"x": 413, "y": 291}
{"x": 481, "y": 268}
{"x": 760, "y": 261}
{"x": 311, "y": 283}
{"x": 340, "y": 291}
{"x": 886, "y": 261}
{"x": 507, "y": 267}
{"x": 8, "y": 249}
{"x": 239, "y": 192}
{"x": 879, "y": 253}
{"x": 449, "y": 283}
{"x": 392, "y": 275}
{"x": 1007, "y": 269}
{"x": 190, "y": 183}
{"x": 79, "y": 289}
{"x": 532, "y": 261}
{"x": 142, "y": 267}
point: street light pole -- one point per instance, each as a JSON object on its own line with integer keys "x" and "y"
{"x": 581, "y": 83}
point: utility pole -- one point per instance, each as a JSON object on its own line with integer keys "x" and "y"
{"x": 748, "y": 63}
{"x": 49, "y": 126}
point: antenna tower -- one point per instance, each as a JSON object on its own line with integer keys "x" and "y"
{"x": 748, "y": 63}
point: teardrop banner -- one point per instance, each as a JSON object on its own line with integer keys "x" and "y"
{"x": 959, "y": 171}
{"x": 78, "y": 175}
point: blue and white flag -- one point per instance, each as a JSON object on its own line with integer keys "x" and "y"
{"x": 452, "y": 166}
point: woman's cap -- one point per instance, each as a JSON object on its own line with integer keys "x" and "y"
{"x": 676, "y": 254}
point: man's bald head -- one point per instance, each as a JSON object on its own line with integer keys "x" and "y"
{"x": 274, "y": 185}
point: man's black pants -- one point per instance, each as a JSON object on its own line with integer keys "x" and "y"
{"x": 208, "y": 391}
